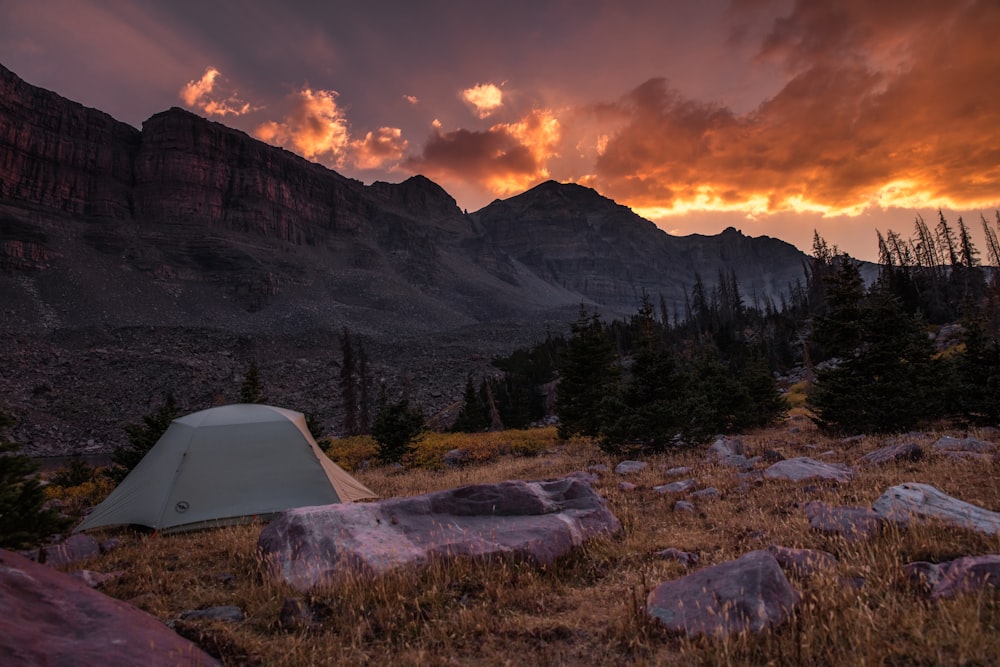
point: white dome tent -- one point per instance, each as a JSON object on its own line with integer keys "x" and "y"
{"x": 223, "y": 466}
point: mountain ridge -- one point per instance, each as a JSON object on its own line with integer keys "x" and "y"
{"x": 165, "y": 245}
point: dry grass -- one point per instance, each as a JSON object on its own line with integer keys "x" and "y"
{"x": 589, "y": 609}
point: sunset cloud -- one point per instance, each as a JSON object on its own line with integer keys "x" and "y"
{"x": 885, "y": 105}
{"x": 380, "y": 149}
{"x": 201, "y": 94}
{"x": 315, "y": 127}
{"x": 484, "y": 98}
{"x": 507, "y": 158}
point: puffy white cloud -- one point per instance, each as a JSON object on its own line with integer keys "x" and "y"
{"x": 380, "y": 149}
{"x": 201, "y": 94}
{"x": 314, "y": 127}
{"x": 484, "y": 98}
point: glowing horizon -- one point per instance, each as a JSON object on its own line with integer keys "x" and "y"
{"x": 778, "y": 116}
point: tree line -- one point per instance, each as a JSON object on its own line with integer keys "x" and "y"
{"x": 659, "y": 378}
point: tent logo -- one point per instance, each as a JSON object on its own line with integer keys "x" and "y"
{"x": 182, "y": 506}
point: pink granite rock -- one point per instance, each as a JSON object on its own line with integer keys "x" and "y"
{"x": 531, "y": 521}
{"x": 749, "y": 593}
{"x": 50, "y": 618}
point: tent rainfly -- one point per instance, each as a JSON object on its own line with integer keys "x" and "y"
{"x": 223, "y": 466}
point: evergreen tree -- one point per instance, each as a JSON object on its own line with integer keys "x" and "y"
{"x": 715, "y": 401}
{"x": 766, "y": 402}
{"x": 838, "y": 332}
{"x": 142, "y": 437}
{"x": 396, "y": 427}
{"x": 348, "y": 384}
{"x": 473, "y": 416}
{"x": 364, "y": 392}
{"x": 979, "y": 370}
{"x": 586, "y": 376}
{"x": 23, "y": 521}
{"x": 889, "y": 382}
{"x": 645, "y": 414}
{"x": 252, "y": 389}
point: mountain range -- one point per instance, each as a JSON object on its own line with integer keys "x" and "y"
{"x": 136, "y": 263}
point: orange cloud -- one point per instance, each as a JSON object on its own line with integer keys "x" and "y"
{"x": 484, "y": 98}
{"x": 199, "y": 95}
{"x": 886, "y": 104}
{"x": 507, "y": 158}
{"x": 314, "y": 127}
{"x": 379, "y": 149}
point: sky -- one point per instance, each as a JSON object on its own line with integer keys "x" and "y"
{"x": 777, "y": 117}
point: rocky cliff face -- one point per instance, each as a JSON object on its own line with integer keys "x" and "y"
{"x": 139, "y": 262}
{"x": 572, "y": 236}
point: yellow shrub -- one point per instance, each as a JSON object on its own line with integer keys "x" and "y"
{"x": 796, "y": 395}
{"x": 429, "y": 450}
{"x": 481, "y": 447}
{"x": 348, "y": 453}
{"x": 77, "y": 498}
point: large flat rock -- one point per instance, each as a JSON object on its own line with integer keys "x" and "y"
{"x": 749, "y": 593}
{"x": 902, "y": 502}
{"x": 50, "y": 618}
{"x": 531, "y": 521}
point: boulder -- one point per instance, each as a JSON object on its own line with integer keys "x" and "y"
{"x": 949, "y": 444}
{"x": 685, "y": 558}
{"x": 629, "y": 467}
{"x": 749, "y": 593}
{"x": 900, "y": 503}
{"x": 50, "y": 618}
{"x": 75, "y": 548}
{"x": 803, "y": 467}
{"x": 536, "y": 522}
{"x": 967, "y": 575}
{"x": 852, "y": 523}
{"x": 225, "y": 613}
{"x": 705, "y": 494}
{"x": 904, "y": 451}
{"x": 724, "y": 448}
{"x": 684, "y": 506}
{"x": 676, "y": 487}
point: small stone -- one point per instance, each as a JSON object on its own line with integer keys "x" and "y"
{"x": 684, "y": 506}
{"x": 706, "y": 493}
{"x": 676, "y": 487}
{"x": 225, "y": 613}
{"x": 295, "y": 614}
{"x": 685, "y": 558}
{"x": 629, "y": 467}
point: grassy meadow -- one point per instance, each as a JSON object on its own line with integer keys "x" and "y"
{"x": 589, "y": 609}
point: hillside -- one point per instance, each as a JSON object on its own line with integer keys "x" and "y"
{"x": 134, "y": 263}
{"x": 858, "y": 604}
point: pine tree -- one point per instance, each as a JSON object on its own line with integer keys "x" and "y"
{"x": 586, "y": 376}
{"x": 143, "y": 436}
{"x": 889, "y": 382}
{"x": 396, "y": 427}
{"x": 348, "y": 384}
{"x": 473, "y": 416}
{"x": 252, "y": 389}
{"x": 645, "y": 414}
{"x": 23, "y": 520}
{"x": 838, "y": 332}
{"x": 364, "y": 392}
{"x": 979, "y": 370}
